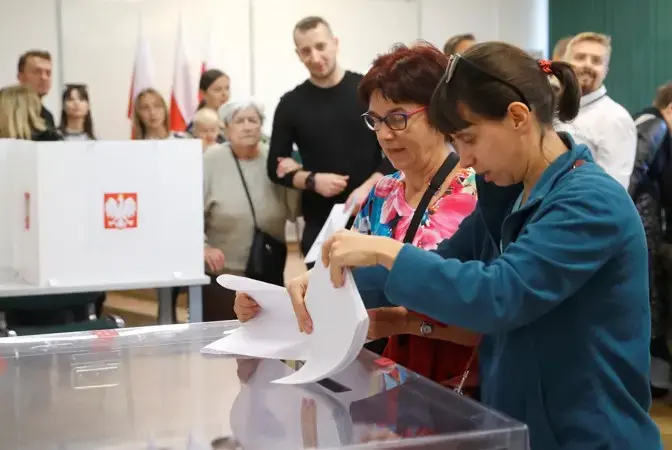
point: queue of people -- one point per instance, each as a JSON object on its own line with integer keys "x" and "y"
{"x": 496, "y": 243}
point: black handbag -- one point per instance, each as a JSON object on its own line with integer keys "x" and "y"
{"x": 267, "y": 255}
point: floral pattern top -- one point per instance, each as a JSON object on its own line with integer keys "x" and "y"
{"x": 386, "y": 212}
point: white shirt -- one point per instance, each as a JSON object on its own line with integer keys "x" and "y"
{"x": 609, "y": 132}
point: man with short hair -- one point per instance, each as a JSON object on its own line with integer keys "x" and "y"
{"x": 34, "y": 69}
{"x": 651, "y": 189}
{"x": 602, "y": 124}
{"x": 458, "y": 43}
{"x": 341, "y": 158}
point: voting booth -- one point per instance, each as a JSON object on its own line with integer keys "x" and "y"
{"x": 152, "y": 388}
{"x": 101, "y": 212}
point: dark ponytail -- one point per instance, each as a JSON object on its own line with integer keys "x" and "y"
{"x": 569, "y": 98}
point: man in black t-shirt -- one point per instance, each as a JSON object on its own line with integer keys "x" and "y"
{"x": 341, "y": 158}
{"x": 35, "y": 70}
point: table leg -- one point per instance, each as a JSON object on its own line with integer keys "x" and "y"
{"x": 195, "y": 304}
{"x": 165, "y": 315}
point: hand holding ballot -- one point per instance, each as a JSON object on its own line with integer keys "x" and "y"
{"x": 345, "y": 249}
{"x": 269, "y": 316}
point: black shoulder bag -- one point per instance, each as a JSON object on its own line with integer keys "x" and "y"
{"x": 267, "y": 255}
{"x": 438, "y": 179}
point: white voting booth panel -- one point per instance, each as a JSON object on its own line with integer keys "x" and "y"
{"x": 104, "y": 212}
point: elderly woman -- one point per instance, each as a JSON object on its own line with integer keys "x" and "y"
{"x": 398, "y": 89}
{"x": 240, "y": 202}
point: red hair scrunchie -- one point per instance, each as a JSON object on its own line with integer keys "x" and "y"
{"x": 545, "y": 66}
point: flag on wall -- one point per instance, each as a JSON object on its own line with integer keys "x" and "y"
{"x": 183, "y": 98}
{"x": 143, "y": 70}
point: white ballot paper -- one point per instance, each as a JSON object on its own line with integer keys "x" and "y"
{"x": 338, "y": 217}
{"x": 273, "y": 333}
{"x": 340, "y": 325}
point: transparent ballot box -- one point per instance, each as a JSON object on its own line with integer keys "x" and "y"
{"x": 152, "y": 388}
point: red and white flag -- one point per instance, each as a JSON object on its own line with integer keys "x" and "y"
{"x": 183, "y": 98}
{"x": 143, "y": 69}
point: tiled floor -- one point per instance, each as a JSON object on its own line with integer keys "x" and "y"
{"x": 140, "y": 309}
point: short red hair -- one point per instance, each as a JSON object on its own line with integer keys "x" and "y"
{"x": 405, "y": 74}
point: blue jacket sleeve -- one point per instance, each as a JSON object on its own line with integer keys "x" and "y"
{"x": 566, "y": 242}
{"x": 371, "y": 281}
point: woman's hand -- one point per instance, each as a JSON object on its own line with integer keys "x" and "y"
{"x": 286, "y": 165}
{"x": 297, "y": 292}
{"x": 214, "y": 258}
{"x": 347, "y": 248}
{"x": 245, "y": 307}
{"x": 388, "y": 321}
{"x": 357, "y": 198}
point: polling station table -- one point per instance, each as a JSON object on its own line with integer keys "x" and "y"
{"x": 11, "y": 285}
{"x": 152, "y": 388}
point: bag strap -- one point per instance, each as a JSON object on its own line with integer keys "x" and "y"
{"x": 434, "y": 185}
{"x": 247, "y": 191}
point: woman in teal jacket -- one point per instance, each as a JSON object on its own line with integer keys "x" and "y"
{"x": 551, "y": 267}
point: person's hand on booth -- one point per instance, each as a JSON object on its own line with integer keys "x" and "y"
{"x": 214, "y": 258}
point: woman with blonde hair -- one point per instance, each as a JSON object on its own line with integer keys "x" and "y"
{"x": 20, "y": 118}
{"x": 150, "y": 116}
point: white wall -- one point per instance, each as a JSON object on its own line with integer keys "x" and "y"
{"x": 253, "y": 39}
{"x": 100, "y": 36}
{"x": 24, "y": 25}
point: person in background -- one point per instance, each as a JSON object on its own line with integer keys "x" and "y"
{"x": 561, "y": 48}
{"x": 76, "y": 121}
{"x": 214, "y": 87}
{"x": 551, "y": 267}
{"x": 229, "y": 223}
{"x": 341, "y": 158}
{"x": 20, "y": 117}
{"x": 458, "y": 43}
{"x": 558, "y": 55}
{"x": 206, "y": 127}
{"x": 150, "y": 121}
{"x": 602, "y": 124}
{"x": 651, "y": 190}
{"x": 398, "y": 89}
{"x": 34, "y": 69}
{"x": 150, "y": 116}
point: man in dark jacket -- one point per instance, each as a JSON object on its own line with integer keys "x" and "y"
{"x": 651, "y": 190}
{"x": 35, "y": 70}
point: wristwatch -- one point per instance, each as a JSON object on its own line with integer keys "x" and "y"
{"x": 310, "y": 181}
{"x": 426, "y": 328}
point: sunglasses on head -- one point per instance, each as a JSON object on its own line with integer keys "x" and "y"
{"x": 456, "y": 58}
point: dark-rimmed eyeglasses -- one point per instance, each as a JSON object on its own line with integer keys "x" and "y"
{"x": 395, "y": 121}
{"x": 455, "y": 58}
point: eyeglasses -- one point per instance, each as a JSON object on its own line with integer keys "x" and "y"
{"x": 395, "y": 121}
{"x": 452, "y": 65}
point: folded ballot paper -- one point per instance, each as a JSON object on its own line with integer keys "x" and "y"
{"x": 340, "y": 325}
